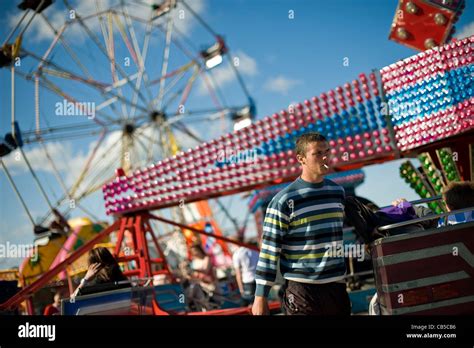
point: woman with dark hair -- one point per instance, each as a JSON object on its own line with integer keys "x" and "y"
{"x": 103, "y": 269}
{"x": 203, "y": 269}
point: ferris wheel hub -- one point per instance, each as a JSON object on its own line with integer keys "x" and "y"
{"x": 157, "y": 116}
{"x": 129, "y": 128}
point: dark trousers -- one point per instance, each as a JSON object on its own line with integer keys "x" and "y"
{"x": 249, "y": 292}
{"x": 316, "y": 299}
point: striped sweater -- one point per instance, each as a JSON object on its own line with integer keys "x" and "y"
{"x": 303, "y": 224}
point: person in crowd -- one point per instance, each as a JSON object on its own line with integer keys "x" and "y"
{"x": 103, "y": 269}
{"x": 58, "y": 226}
{"x": 59, "y": 223}
{"x": 245, "y": 264}
{"x": 55, "y": 307}
{"x": 300, "y": 222}
{"x": 196, "y": 298}
{"x": 457, "y": 196}
{"x": 203, "y": 270}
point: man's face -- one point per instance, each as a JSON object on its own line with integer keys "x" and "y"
{"x": 316, "y": 160}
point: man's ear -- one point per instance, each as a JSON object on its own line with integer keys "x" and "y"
{"x": 300, "y": 158}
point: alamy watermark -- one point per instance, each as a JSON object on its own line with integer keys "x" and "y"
{"x": 37, "y": 331}
{"x": 356, "y": 251}
{"x": 67, "y": 108}
{"x": 12, "y": 250}
{"x": 229, "y": 156}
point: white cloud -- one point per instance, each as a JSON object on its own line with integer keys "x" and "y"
{"x": 465, "y": 31}
{"x": 184, "y": 25}
{"x": 247, "y": 65}
{"x": 224, "y": 74}
{"x": 281, "y": 84}
{"x": 38, "y": 158}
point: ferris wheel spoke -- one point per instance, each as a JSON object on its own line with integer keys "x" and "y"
{"x": 103, "y": 166}
{"x": 145, "y": 151}
{"x": 170, "y": 86}
{"x": 70, "y": 52}
{"x": 186, "y": 131}
{"x": 108, "y": 36}
{"x": 162, "y": 145}
{"x": 187, "y": 89}
{"x": 39, "y": 134}
{"x": 54, "y": 88}
{"x": 175, "y": 41}
{"x": 216, "y": 90}
{"x": 96, "y": 180}
{"x": 93, "y": 188}
{"x": 103, "y": 50}
{"x": 88, "y": 212}
{"x": 153, "y": 139}
{"x": 141, "y": 56}
{"x": 100, "y": 86}
{"x": 164, "y": 63}
{"x": 237, "y": 74}
{"x": 62, "y": 71}
{"x": 141, "y": 133}
{"x": 15, "y": 27}
{"x": 35, "y": 12}
{"x": 134, "y": 157}
{"x": 57, "y": 37}
{"x": 213, "y": 96}
{"x": 53, "y": 166}
{"x": 87, "y": 165}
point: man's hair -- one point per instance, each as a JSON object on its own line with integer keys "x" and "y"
{"x": 459, "y": 195}
{"x": 305, "y": 139}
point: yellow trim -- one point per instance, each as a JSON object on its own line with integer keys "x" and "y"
{"x": 316, "y": 217}
{"x": 276, "y": 222}
{"x": 306, "y": 256}
{"x": 268, "y": 256}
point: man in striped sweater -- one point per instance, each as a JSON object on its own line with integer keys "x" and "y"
{"x": 302, "y": 228}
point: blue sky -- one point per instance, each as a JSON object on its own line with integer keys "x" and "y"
{"x": 282, "y": 60}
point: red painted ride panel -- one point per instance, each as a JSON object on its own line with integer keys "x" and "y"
{"x": 429, "y": 272}
{"x": 418, "y": 24}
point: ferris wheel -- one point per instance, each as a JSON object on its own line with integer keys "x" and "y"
{"x": 129, "y": 81}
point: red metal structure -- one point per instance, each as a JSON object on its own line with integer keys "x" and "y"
{"x": 138, "y": 227}
{"x": 424, "y": 24}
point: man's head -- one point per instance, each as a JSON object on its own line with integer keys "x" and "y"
{"x": 57, "y": 297}
{"x": 312, "y": 152}
{"x": 459, "y": 195}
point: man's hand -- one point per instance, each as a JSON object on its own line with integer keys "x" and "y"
{"x": 260, "y": 306}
